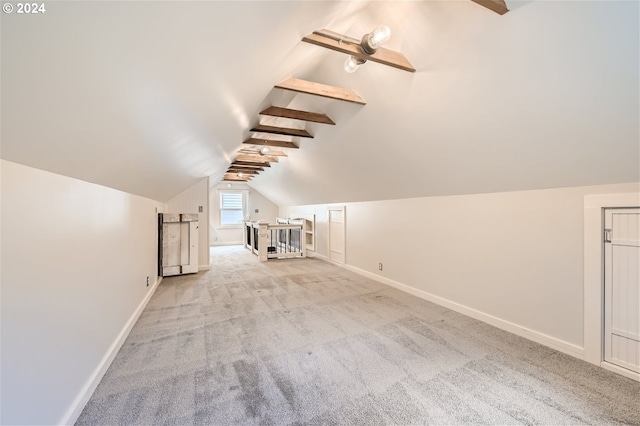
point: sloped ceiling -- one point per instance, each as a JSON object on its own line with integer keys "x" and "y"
{"x": 150, "y": 97}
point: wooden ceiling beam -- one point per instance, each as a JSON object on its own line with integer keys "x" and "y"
{"x": 256, "y": 151}
{"x": 244, "y": 171}
{"x": 341, "y": 43}
{"x": 318, "y": 89}
{"x": 248, "y": 175}
{"x": 286, "y": 131}
{"x": 498, "y": 6}
{"x": 248, "y": 168}
{"x": 256, "y": 158}
{"x": 235, "y": 178}
{"x": 271, "y": 142}
{"x": 250, "y": 164}
{"x": 295, "y": 114}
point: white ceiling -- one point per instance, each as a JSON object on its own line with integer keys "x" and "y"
{"x": 150, "y": 97}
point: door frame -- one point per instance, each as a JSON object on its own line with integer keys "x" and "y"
{"x": 593, "y": 270}
{"x": 344, "y": 231}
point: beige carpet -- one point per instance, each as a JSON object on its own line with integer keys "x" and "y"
{"x": 305, "y": 342}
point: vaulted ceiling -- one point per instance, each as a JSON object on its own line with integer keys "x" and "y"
{"x": 150, "y": 97}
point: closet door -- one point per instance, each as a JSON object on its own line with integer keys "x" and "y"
{"x": 622, "y": 288}
{"x": 337, "y": 234}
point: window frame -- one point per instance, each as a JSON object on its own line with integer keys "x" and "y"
{"x": 244, "y": 209}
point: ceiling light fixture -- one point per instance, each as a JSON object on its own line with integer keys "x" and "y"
{"x": 351, "y": 64}
{"x": 240, "y": 174}
{"x": 264, "y": 150}
{"x": 369, "y": 44}
{"x": 376, "y": 38}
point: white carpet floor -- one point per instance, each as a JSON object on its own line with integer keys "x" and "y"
{"x": 301, "y": 341}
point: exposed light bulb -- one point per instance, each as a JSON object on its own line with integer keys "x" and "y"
{"x": 376, "y": 38}
{"x": 379, "y": 36}
{"x": 351, "y": 64}
{"x": 264, "y": 150}
{"x": 240, "y": 174}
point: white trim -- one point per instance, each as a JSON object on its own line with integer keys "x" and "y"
{"x": 90, "y": 386}
{"x": 326, "y": 259}
{"x": 342, "y": 209}
{"x": 552, "y": 342}
{"x": 204, "y": 268}
{"x": 593, "y": 268}
{"x": 322, "y": 257}
{"x": 622, "y": 371}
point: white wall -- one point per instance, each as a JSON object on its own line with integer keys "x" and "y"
{"x": 189, "y": 201}
{"x": 75, "y": 260}
{"x": 514, "y": 259}
{"x": 256, "y": 201}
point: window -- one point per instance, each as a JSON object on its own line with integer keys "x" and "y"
{"x": 231, "y": 208}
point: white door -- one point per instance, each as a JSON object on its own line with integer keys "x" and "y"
{"x": 622, "y": 288}
{"x": 337, "y": 234}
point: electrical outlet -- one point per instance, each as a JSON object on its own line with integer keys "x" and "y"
{"x": 147, "y": 281}
{"x": 200, "y": 209}
{"x": 380, "y": 266}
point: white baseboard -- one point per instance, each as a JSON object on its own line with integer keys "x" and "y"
{"x": 90, "y": 386}
{"x": 226, "y": 243}
{"x": 622, "y": 371}
{"x": 543, "y": 339}
{"x": 204, "y": 268}
{"x": 317, "y": 256}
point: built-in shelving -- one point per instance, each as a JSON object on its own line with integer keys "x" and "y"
{"x": 310, "y": 226}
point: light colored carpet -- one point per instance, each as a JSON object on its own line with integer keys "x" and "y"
{"x": 305, "y": 342}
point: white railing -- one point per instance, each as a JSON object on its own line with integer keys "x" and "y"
{"x": 285, "y": 239}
